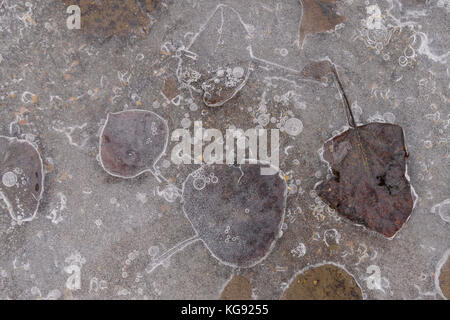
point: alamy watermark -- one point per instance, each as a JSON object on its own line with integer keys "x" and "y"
{"x": 74, "y": 20}
{"x": 237, "y": 147}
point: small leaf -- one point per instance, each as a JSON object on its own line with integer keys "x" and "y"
{"x": 327, "y": 282}
{"x": 21, "y": 174}
{"x": 212, "y": 66}
{"x": 170, "y": 89}
{"x": 318, "y": 16}
{"x": 132, "y": 142}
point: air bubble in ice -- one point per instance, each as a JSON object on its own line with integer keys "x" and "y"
{"x": 9, "y": 179}
{"x": 293, "y": 126}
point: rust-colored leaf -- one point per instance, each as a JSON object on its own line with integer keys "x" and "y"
{"x": 444, "y": 277}
{"x": 238, "y": 288}
{"x": 368, "y": 162}
{"x": 327, "y": 282}
{"x": 170, "y": 89}
{"x": 151, "y": 5}
{"x": 105, "y": 18}
{"x": 318, "y": 16}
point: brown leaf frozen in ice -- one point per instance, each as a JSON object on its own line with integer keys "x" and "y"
{"x": 444, "y": 278}
{"x": 236, "y": 211}
{"x": 368, "y": 162}
{"x": 170, "y": 89}
{"x": 369, "y": 186}
{"x": 317, "y": 70}
{"x": 21, "y": 174}
{"x": 105, "y": 18}
{"x": 238, "y": 288}
{"x": 327, "y": 282}
{"x": 318, "y": 16}
{"x": 132, "y": 142}
{"x": 151, "y": 5}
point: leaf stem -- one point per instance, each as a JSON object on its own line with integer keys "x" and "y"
{"x": 165, "y": 256}
{"x": 348, "y": 109}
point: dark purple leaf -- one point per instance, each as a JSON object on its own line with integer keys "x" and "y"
{"x": 369, "y": 186}
{"x": 368, "y": 163}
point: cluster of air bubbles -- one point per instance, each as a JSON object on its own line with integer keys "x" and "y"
{"x": 238, "y": 72}
{"x": 98, "y": 223}
{"x": 284, "y": 99}
{"x": 260, "y": 114}
{"x": 377, "y": 39}
{"x": 192, "y": 105}
{"x": 294, "y": 186}
{"x": 299, "y": 251}
{"x": 131, "y": 257}
{"x": 387, "y": 117}
{"x": 374, "y": 32}
{"x": 170, "y": 193}
{"x": 409, "y": 54}
{"x": 201, "y": 180}
{"x": 444, "y": 4}
{"x": 230, "y": 76}
{"x": 230, "y": 237}
{"x": 320, "y": 209}
{"x": 154, "y": 129}
{"x": 292, "y": 214}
